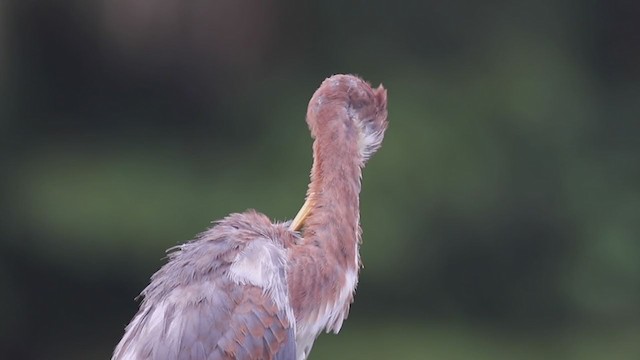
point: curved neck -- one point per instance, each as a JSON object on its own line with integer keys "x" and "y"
{"x": 333, "y": 221}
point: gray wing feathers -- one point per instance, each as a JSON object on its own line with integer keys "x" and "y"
{"x": 288, "y": 350}
{"x": 193, "y": 309}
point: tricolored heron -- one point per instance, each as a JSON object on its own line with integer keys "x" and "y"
{"x": 248, "y": 288}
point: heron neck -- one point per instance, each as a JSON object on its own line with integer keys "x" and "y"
{"x": 333, "y": 223}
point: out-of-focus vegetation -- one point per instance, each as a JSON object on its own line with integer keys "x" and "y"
{"x": 501, "y": 217}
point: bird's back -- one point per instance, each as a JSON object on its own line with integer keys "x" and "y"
{"x": 221, "y": 296}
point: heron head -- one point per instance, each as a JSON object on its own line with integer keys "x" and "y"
{"x": 347, "y": 100}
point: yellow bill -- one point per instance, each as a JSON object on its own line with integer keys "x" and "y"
{"x": 302, "y": 215}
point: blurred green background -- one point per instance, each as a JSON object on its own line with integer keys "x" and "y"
{"x": 501, "y": 217}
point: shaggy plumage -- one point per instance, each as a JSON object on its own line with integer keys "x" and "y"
{"x": 251, "y": 289}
